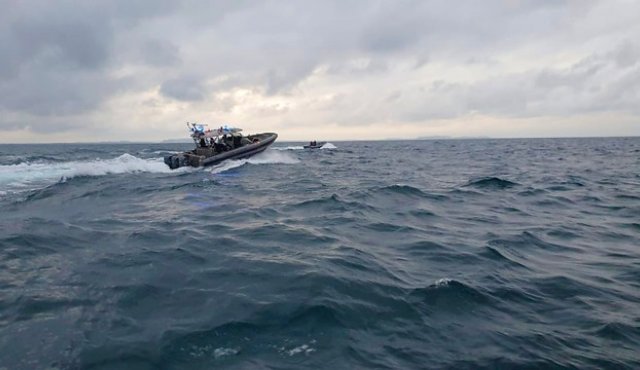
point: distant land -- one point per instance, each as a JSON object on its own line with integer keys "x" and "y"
{"x": 437, "y": 137}
{"x": 451, "y": 137}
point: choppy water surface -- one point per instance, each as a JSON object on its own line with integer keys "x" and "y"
{"x": 418, "y": 254}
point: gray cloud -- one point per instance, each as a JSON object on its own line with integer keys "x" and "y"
{"x": 595, "y": 84}
{"x": 77, "y": 42}
{"x": 159, "y": 53}
{"x": 44, "y": 93}
{"x": 370, "y": 66}
{"x": 59, "y": 56}
{"x": 627, "y": 54}
{"x": 281, "y": 79}
{"x": 184, "y": 88}
{"x": 65, "y": 61}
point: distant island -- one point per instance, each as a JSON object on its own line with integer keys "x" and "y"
{"x": 439, "y": 137}
{"x": 434, "y": 138}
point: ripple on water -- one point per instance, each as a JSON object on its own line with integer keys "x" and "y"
{"x": 448, "y": 296}
{"x": 491, "y": 183}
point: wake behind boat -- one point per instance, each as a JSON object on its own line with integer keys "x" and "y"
{"x": 215, "y": 146}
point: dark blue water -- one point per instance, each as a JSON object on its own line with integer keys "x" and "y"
{"x": 487, "y": 254}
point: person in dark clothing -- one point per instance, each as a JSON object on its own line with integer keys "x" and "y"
{"x": 221, "y": 145}
{"x": 228, "y": 140}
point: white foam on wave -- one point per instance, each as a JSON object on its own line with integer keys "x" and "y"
{"x": 222, "y": 352}
{"x": 269, "y": 156}
{"x": 227, "y": 165}
{"x": 328, "y": 146}
{"x": 299, "y": 147}
{"x": 305, "y": 349}
{"x": 29, "y": 175}
{"x": 273, "y": 157}
{"x": 442, "y": 282}
{"x": 165, "y": 152}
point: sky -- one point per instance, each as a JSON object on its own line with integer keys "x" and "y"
{"x": 87, "y": 71}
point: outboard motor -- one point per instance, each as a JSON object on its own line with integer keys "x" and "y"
{"x": 167, "y": 160}
{"x": 176, "y": 161}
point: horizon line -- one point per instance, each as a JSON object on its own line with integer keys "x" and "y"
{"x": 433, "y": 138}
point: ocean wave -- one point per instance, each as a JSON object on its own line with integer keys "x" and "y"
{"x": 565, "y": 185}
{"x": 629, "y": 197}
{"x": 424, "y": 248}
{"x": 226, "y": 166}
{"x": 266, "y": 332}
{"x": 272, "y": 157}
{"x": 29, "y": 176}
{"x": 528, "y": 240}
{"x": 408, "y": 191}
{"x": 305, "y": 349}
{"x": 164, "y": 152}
{"x": 567, "y": 289}
{"x": 295, "y": 147}
{"x": 330, "y": 203}
{"x": 18, "y": 159}
{"x": 266, "y": 157}
{"x": 274, "y": 233}
{"x": 492, "y": 253}
{"x": 635, "y": 226}
{"x": 421, "y": 214}
{"x": 491, "y": 183}
{"x": 34, "y": 175}
{"x": 620, "y": 332}
{"x": 402, "y": 189}
{"x": 449, "y": 295}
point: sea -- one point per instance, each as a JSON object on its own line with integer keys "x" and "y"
{"x": 434, "y": 254}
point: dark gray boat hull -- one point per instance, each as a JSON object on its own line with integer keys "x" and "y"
{"x": 317, "y": 146}
{"x": 208, "y": 157}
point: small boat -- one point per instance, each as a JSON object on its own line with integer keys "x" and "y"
{"x": 314, "y": 145}
{"x": 215, "y": 146}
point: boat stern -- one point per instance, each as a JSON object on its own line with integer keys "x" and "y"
{"x": 183, "y": 160}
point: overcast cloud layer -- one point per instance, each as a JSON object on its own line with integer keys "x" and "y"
{"x": 123, "y": 70}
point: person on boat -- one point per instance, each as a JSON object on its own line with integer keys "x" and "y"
{"x": 219, "y": 146}
{"x": 228, "y": 140}
{"x": 237, "y": 141}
